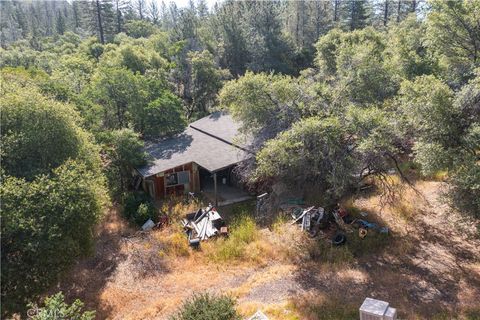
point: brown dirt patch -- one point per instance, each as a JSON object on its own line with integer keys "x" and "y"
{"x": 431, "y": 268}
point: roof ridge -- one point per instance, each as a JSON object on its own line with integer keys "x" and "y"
{"x": 218, "y": 138}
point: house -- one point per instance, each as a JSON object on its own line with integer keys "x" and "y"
{"x": 200, "y": 159}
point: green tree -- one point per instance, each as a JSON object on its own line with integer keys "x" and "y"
{"x": 40, "y": 134}
{"x": 75, "y": 70}
{"x": 445, "y": 128}
{"x": 120, "y": 92}
{"x": 232, "y": 52}
{"x": 139, "y": 29}
{"x": 427, "y": 105}
{"x": 353, "y": 65}
{"x": 269, "y": 49}
{"x": 355, "y": 14}
{"x": 454, "y": 32}
{"x": 54, "y": 216}
{"x": 265, "y": 103}
{"x": 332, "y": 154}
{"x": 314, "y": 150}
{"x": 206, "y": 81}
{"x": 163, "y": 116}
{"x": 60, "y": 23}
{"x": 52, "y": 190}
{"x": 124, "y": 150}
{"x": 55, "y": 307}
{"x": 406, "y": 53}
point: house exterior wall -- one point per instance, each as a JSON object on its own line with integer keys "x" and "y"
{"x": 173, "y": 181}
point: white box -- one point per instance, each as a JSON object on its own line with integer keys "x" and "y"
{"x": 373, "y": 309}
{"x": 390, "y": 314}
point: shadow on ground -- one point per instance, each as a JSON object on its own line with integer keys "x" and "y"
{"x": 425, "y": 273}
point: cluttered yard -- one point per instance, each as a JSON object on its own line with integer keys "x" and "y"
{"x": 417, "y": 254}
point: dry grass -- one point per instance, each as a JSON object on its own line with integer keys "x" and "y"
{"x": 176, "y": 208}
{"x": 286, "y": 274}
{"x": 176, "y": 245}
{"x": 322, "y": 307}
{"x": 246, "y": 243}
{"x": 441, "y": 175}
{"x": 275, "y": 311}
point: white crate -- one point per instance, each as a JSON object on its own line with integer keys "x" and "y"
{"x": 373, "y": 309}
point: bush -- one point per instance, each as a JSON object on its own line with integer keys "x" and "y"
{"x": 464, "y": 194}
{"x": 177, "y": 245}
{"x": 138, "y": 208}
{"x": 208, "y": 307}
{"x": 46, "y": 225}
{"x": 56, "y": 308}
{"x": 243, "y": 231}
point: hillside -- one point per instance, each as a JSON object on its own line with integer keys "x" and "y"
{"x": 427, "y": 268}
{"x": 117, "y": 113}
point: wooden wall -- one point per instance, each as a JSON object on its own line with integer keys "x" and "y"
{"x": 162, "y": 190}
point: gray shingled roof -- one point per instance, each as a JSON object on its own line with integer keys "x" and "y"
{"x": 206, "y": 142}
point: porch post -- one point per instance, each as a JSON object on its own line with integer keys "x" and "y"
{"x": 215, "y": 188}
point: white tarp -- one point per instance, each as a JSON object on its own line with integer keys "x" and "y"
{"x": 203, "y": 226}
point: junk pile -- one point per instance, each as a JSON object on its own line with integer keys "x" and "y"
{"x": 259, "y": 315}
{"x": 203, "y": 224}
{"x": 331, "y": 225}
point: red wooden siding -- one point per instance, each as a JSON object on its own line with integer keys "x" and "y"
{"x": 161, "y": 190}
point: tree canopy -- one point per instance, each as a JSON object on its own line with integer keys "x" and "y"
{"x": 330, "y": 93}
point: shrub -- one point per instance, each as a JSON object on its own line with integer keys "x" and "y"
{"x": 138, "y": 208}
{"x": 56, "y": 308}
{"x": 177, "y": 245}
{"x": 48, "y": 221}
{"x": 243, "y": 231}
{"x": 208, "y": 307}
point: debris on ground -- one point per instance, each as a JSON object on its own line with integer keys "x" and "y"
{"x": 259, "y": 315}
{"x": 148, "y": 225}
{"x": 331, "y": 225}
{"x": 369, "y": 225}
{"x": 203, "y": 224}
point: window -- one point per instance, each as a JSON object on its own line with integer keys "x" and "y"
{"x": 183, "y": 177}
{"x": 173, "y": 179}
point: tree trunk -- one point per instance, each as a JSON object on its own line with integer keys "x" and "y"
{"x": 119, "y": 17}
{"x": 398, "y": 10}
{"x": 335, "y": 11}
{"x": 100, "y": 25}
{"x": 385, "y": 13}
{"x": 76, "y": 18}
{"x": 352, "y": 17}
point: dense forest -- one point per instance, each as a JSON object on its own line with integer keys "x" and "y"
{"x": 333, "y": 92}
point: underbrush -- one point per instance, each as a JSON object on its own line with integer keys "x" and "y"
{"x": 176, "y": 207}
{"x": 176, "y": 245}
{"x": 208, "y": 307}
{"x": 355, "y": 247}
{"x": 138, "y": 208}
{"x": 243, "y": 232}
{"x": 324, "y": 308}
{"x": 395, "y": 195}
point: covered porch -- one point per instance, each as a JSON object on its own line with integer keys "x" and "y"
{"x": 221, "y": 187}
